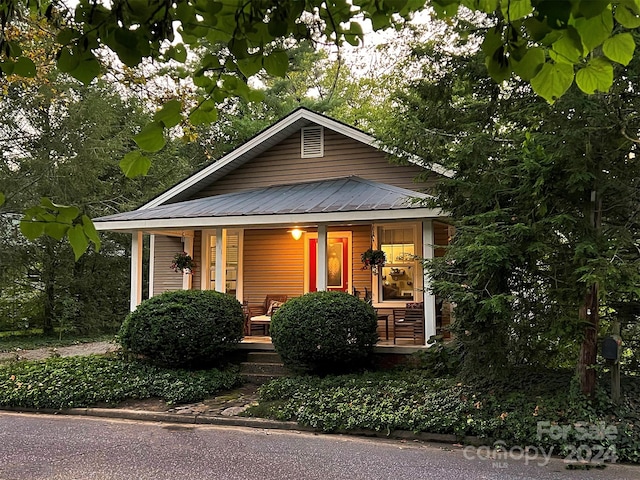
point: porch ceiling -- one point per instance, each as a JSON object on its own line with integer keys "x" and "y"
{"x": 340, "y": 199}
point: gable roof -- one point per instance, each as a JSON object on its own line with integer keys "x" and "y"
{"x": 261, "y": 142}
{"x": 347, "y": 199}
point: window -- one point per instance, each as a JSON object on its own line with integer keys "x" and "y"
{"x": 397, "y": 279}
{"x": 232, "y": 255}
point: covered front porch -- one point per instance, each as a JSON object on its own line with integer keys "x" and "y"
{"x": 291, "y": 240}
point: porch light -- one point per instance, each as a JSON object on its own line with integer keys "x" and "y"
{"x": 296, "y": 233}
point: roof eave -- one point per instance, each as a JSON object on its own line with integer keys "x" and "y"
{"x": 270, "y": 220}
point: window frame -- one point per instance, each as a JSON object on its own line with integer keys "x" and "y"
{"x": 207, "y": 261}
{"x": 418, "y": 276}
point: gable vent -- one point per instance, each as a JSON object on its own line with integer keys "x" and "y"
{"x": 312, "y": 142}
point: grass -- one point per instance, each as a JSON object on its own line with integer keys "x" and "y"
{"x": 11, "y": 342}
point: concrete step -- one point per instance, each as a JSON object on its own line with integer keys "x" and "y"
{"x": 262, "y": 367}
{"x": 263, "y": 357}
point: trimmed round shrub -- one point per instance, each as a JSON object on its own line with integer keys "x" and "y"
{"x": 325, "y": 332}
{"x": 187, "y": 328}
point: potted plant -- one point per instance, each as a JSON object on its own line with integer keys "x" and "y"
{"x": 373, "y": 259}
{"x": 183, "y": 263}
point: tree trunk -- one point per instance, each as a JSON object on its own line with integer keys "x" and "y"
{"x": 589, "y": 313}
{"x": 589, "y": 349}
{"x": 49, "y": 265}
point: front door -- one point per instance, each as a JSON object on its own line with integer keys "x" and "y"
{"x": 338, "y": 262}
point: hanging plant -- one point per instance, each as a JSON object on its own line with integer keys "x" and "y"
{"x": 183, "y": 263}
{"x": 373, "y": 259}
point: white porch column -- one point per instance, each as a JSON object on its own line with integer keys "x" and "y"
{"x": 220, "y": 260}
{"x": 152, "y": 259}
{"x": 136, "y": 270}
{"x": 321, "y": 270}
{"x": 429, "y": 298}
{"x": 187, "y": 245}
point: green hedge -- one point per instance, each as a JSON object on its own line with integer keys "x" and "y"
{"x": 188, "y": 328}
{"x": 325, "y": 332}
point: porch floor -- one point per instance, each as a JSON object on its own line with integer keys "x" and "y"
{"x": 256, "y": 342}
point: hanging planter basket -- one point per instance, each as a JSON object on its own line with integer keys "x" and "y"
{"x": 373, "y": 259}
{"x": 183, "y": 263}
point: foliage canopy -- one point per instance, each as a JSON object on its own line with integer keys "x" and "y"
{"x": 548, "y": 43}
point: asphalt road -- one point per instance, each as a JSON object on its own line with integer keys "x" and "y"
{"x": 38, "y": 447}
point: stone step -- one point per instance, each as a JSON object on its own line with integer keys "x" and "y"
{"x": 259, "y": 378}
{"x": 263, "y": 357}
{"x": 263, "y": 368}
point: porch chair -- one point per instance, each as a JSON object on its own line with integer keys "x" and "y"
{"x": 408, "y": 323}
{"x": 260, "y": 315}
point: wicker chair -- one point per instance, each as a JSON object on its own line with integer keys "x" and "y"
{"x": 259, "y": 316}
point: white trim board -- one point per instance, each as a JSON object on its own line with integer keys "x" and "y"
{"x": 270, "y": 220}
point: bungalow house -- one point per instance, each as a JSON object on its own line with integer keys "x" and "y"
{"x": 289, "y": 212}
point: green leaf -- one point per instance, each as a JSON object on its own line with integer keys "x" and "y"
{"x": 7, "y": 67}
{"x": 151, "y": 138}
{"x": 498, "y": 65}
{"x": 169, "y": 114}
{"x": 592, "y": 8}
{"x": 595, "y": 30}
{"x": 536, "y": 29}
{"x": 486, "y": 6}
{"x": 278, "y": 28}
{"x": 67, "y": 60}
{"x": 568, "y": 48}
{"x": 596, "y": 75}
{"x": 492, "y": 41}
{"x": 250, "y": 65}
{"x": 88, "y": 69}
{"x": 127, "y": 46}
{"x": 516, "y": 9}
{"x": 354, "y": 35}
{"x": 276, "y": 63}
{"x": 47, "y": 203}
{"x": 619, "y": 48}
{"x": 78, "y": 240}
{"x": 135, "y": 164}
{"x": 66, "y": 35}
{"x": 2, "y": 199}
{"x": 552, "y": 81}
{"x": 13, "y": 49}
{"x": 379, "y": 20}
{"x": 56, "y": 230}
{"x": 556, "y": 12}
{"x": 530, "y": 64}
{"x": 91, "y": 232}
{"x": 31, "y": 229}
{"x": 25, "y": 67}
{"x": 256, "y": 95}
{"x": 67, "y": 214}
{"x": 627, "y": 14}
{"x": 179, "y": 53}
{"x": 203, "y": 115}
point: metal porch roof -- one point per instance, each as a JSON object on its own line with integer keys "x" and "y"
{"x": 349, "y": 194}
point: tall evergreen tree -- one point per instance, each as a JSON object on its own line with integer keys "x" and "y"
{"x": 545, "y": 200}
